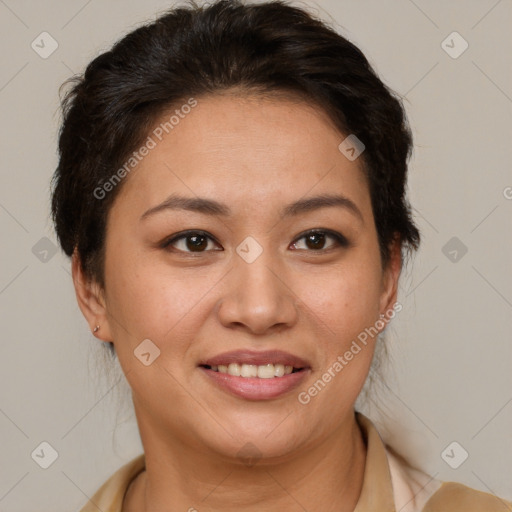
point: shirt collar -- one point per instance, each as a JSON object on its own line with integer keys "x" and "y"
{"x": 376, "y": 493}
{"x": 377, "y": 490}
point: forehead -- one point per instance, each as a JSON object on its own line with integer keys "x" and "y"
{"x": 239, "y": 147}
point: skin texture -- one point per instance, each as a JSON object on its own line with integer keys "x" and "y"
{"x": 255, "y": 155}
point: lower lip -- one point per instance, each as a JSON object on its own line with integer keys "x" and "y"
{"x": 253, "y": 388}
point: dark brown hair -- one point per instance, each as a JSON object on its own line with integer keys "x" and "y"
{"x": 193, "y": 51}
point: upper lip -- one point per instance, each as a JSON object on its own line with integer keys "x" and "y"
{"x": 256, "y": 358}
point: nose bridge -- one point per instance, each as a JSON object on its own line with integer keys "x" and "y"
{"x": 256, "y": 296}
{"x": 257, "y": 278}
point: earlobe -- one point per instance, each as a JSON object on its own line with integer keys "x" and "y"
{"x": 91, "y": 301}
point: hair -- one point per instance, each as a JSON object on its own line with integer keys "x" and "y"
{"x": 264, "y": 49}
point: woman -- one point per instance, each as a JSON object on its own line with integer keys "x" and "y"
{"x": 231, "y": 189}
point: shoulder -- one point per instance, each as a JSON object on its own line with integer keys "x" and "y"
{"x": 455, "y": 497}
{"x": 416, "y": 491}
{"x": 110, "y": 495}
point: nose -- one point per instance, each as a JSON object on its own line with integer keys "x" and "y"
{"x": 257, "y": 297}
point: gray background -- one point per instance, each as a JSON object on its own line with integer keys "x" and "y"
{"x": 449, "y": 375}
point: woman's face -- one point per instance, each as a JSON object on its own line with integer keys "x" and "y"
{"x": 250, "y": 286}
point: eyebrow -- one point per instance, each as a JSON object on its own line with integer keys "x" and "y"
{"x": 212, "y": 207}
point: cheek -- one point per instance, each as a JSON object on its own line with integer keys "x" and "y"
{"x": 345, "y": 300}
{"x": 156, "y": 301}
{"x": 345, "y": 305}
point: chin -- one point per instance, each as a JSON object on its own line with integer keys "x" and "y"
{"x": 256, "y": 436}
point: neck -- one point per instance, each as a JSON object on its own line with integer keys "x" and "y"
{"x": 326, "y": 477}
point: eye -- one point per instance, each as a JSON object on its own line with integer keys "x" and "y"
{"x": 190, "y": 241}
{"x": 200, "y": 241}
{"x": 316, "y": 240}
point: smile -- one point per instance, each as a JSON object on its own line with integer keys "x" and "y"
{"x": 266, "y": 371}
{"x": 255, "y": 375}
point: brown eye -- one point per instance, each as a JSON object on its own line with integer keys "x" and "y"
{"x": 192, "y": 241}
{"x": 316, "y": 240}
{"x": 196, "y": 242}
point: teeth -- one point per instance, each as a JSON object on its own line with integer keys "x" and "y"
{"x": 279, "y": 370}
{"x": 234, "y": 369}
{"x": 266, "y": 371}
{"x": 248, "y": 370}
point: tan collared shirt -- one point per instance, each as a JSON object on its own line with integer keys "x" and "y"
{"x": 389, "y": 485}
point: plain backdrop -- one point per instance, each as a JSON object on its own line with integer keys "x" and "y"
{"x": 449, "y": 376}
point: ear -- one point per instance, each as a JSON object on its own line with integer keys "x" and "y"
{"x": 390, "y": 276}
{"x": 91, "y": 300}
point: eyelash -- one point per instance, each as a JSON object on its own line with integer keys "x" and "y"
{"x": 338, "y": 237}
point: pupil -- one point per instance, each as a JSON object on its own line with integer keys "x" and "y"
{"x": 197, "y": 242}
{"x": 316, "y": 239}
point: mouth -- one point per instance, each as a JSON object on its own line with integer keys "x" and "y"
{"x": 256, "y": 375}
{"x": 247, "y": 371}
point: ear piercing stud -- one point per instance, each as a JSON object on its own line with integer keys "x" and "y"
{"x": 96, "y": 329}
